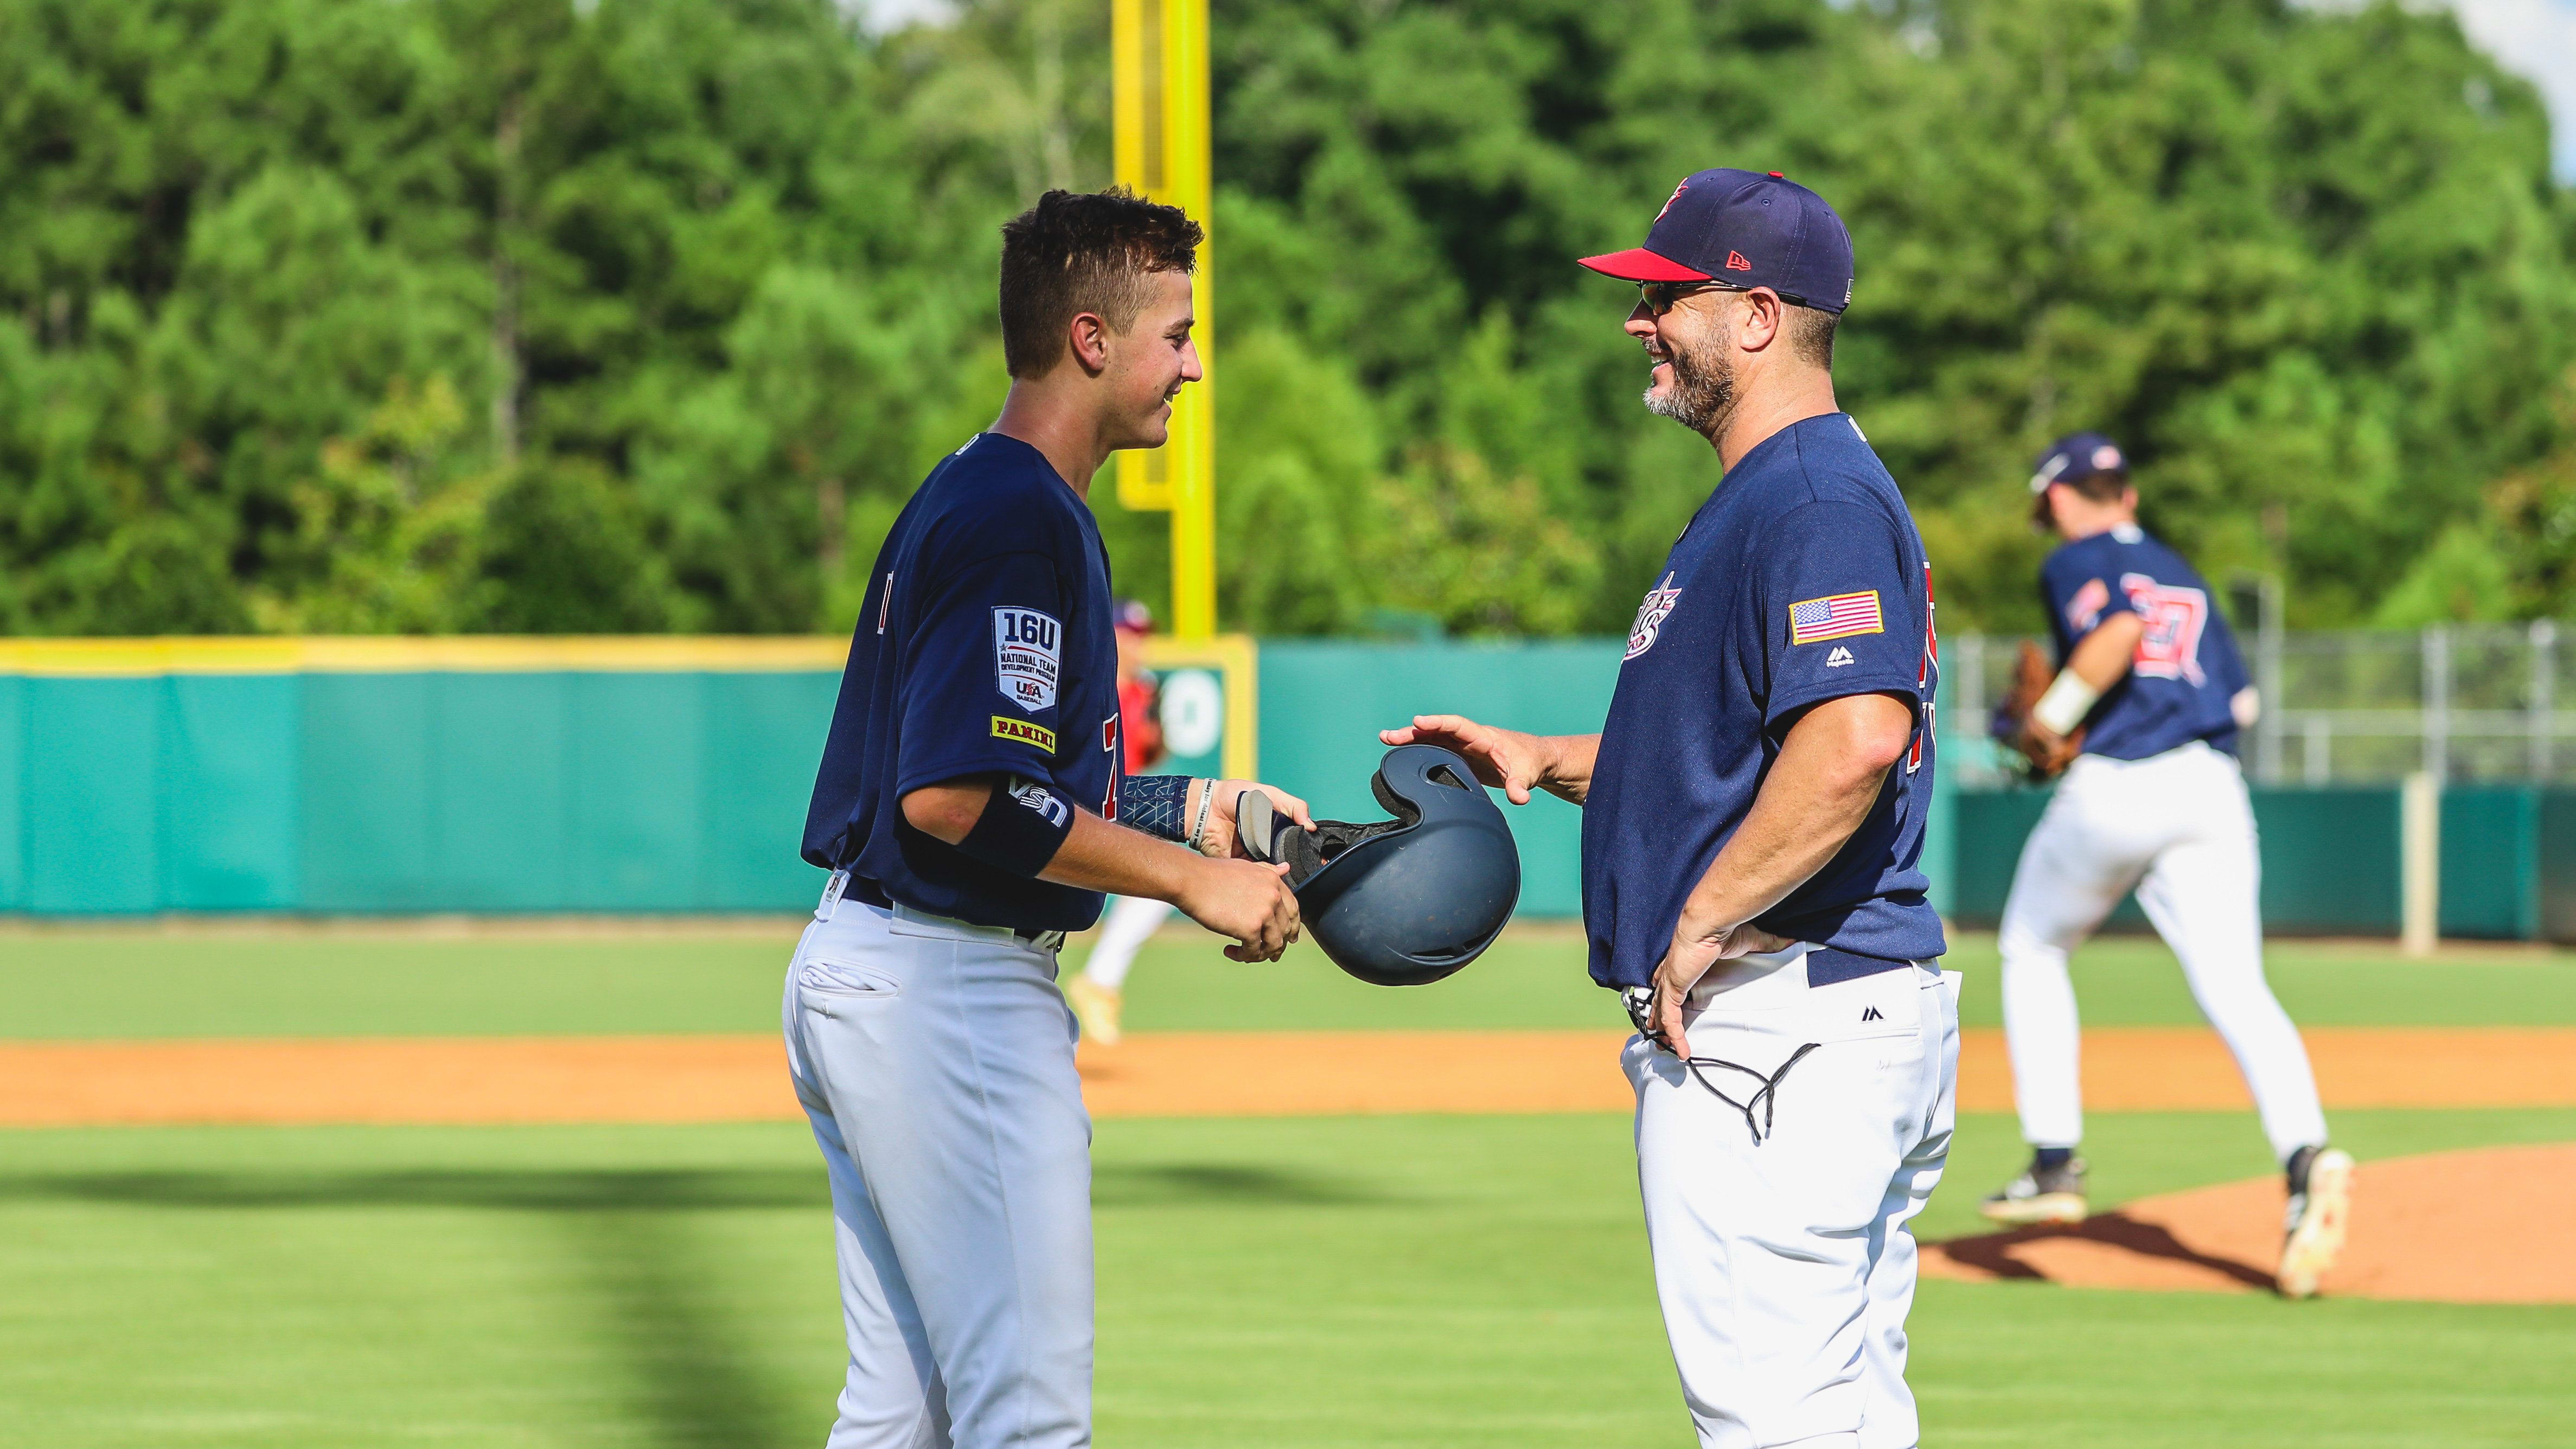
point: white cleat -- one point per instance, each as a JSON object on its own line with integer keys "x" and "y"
{"x": 2040, "y": 1195}
{"x": 2316, "y": 1223}
{"x": 1095, "y": 1006}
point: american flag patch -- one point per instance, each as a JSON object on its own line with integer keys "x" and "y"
{"x": 1838, "y": 617}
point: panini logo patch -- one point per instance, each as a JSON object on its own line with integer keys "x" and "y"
{"x": 1837, "y": 616}
{"x": 1007, "y": 728}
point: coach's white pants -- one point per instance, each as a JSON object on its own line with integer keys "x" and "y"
{"x": 1132, "y": 922}
{"x": 1784, "y": 1265}
{"x": 2178, "y": 828}
{"x": 935, "y": 1060}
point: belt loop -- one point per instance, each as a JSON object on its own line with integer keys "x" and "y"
{"x": 831, "y": 902}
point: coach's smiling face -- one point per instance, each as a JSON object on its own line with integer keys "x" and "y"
{"x": 1146, "y": 365}
{"x": 1691, "y": 372}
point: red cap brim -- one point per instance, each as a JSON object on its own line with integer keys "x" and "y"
{"x": 1641, "y": 265}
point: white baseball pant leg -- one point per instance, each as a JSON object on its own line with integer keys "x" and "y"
{"x": 1132, "y": 922}
{"x": 2179, "y": 828}
{"x": 1783, "y": 1259}
{"x": 935, "y": 1061}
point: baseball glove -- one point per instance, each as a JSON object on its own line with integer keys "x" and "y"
{"x": 2044, "y": 755}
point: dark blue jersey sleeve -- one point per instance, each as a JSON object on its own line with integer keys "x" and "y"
{"x": 986, "y": 665}
{"x": 1842, "y": 608}
{"x": 2079, "y": 594}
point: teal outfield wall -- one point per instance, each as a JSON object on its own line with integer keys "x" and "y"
{"x": 380, "y": 792}
{"x": 522, "y": 789}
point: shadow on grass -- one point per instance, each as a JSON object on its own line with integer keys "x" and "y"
{"x": 643, "y": 1250}
{"x": 628, "y": 1190}
{"x": 586, "y": 1190}
{"x": 1225, "y": 1184}
{"x": 1993, "y": 1252}
{"x": 649, "y": 1271}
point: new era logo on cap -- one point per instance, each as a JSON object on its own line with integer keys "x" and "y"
{"x": 1758, "y": 229}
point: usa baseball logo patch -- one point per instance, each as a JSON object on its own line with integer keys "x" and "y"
{"x": 1028, "y": 649}
{"x": 1836, "y": 616}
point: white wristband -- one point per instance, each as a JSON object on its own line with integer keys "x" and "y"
{"x": 2068, "y": 700}
{"x": 1198, "y": 829}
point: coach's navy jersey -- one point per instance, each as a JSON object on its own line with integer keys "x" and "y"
{"x": 1802, "y": 579}
{"x": 985, "y": 646}
{"x": 2183, "y": 683}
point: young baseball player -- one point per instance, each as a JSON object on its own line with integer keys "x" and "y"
{"x": 2149, "y": 699}
{"x": 1098, "y": 992}
{"x": 971, "y": 808}
{"x": 1753, "y": 810}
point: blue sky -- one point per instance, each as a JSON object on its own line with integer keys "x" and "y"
{"x": 2535, "y": 39}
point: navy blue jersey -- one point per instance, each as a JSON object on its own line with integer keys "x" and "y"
{"x": 1800, "y": 580}
{"x": 2182, "y": 685}
{"x": 985, "y": 647}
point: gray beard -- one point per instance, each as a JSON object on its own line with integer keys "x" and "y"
{"x": 1700, "y": 397}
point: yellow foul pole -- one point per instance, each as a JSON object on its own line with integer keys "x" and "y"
{"x": 1160, "y": 110}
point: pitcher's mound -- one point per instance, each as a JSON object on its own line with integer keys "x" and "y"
{"x": 2483, "y": 1226}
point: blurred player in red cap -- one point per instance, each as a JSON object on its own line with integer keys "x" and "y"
{"x": 1097, "y": 992}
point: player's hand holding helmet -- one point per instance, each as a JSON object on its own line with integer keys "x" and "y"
{"x": 2044, "y": 753}
{"x": 1248, "y": 900}
{"x": 1406, "y": 901}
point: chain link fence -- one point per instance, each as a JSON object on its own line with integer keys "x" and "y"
{"x": 2461, "y": 703}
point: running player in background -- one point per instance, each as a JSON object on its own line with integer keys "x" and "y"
{"x": 2153, "y": 692}
{"x": 1098, "y": 990}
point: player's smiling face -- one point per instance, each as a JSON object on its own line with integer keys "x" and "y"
{"x": 1149, "y": 363}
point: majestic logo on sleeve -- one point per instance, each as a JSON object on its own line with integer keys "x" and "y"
{"x": 1651, "y": 614}
{"x": 2170, "y": 649}
{"x": 1028, "y": 648}
{"x": 1836, "y": 616}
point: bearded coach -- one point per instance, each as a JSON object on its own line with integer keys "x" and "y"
{"x": 1753, "y": 814}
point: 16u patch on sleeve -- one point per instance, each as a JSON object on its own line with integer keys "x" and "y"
{"x": 1028, "y": 651}
{"x": 1837, "y": 616}
{"x": 1007, "y": 728}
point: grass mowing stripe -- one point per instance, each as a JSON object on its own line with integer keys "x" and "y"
{"x": 120, "y": 984}
{"x": 1396, "y": 1282}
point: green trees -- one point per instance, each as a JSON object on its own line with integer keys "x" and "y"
{"x": 648, "y": 314}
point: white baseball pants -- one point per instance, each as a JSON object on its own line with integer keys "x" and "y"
{"x": 935, "y": 1060}
{"x": 1782, "y": 1254}
{"x": 1132, "y": 922}
{"x": 2179, "y": 829}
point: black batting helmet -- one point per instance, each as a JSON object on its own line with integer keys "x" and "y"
{"x": 1403, "y": 902}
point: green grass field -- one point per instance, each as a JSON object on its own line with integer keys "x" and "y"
{"x": 1440, "y": 1281}
{"x": 151, "y": 983}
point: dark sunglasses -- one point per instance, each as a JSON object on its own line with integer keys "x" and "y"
{"x": 1660, "y": 297}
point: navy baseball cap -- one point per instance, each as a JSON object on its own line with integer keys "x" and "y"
{"x": 2077, "y": 456}
{"x": 1747, "y": 229}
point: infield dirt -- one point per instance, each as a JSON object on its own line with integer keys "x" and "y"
{"x": 741, "y": 1077}
{"x": 2450, "y": 1227}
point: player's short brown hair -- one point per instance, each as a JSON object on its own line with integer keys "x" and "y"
{"x": 1811, "y": 335}
{"x": 2103, "y": 487}
{"x": 1077, "y": 252}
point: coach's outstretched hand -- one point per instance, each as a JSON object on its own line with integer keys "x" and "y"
{"x": 1508, "y": 760}
{"x": 1246, "y": 900}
